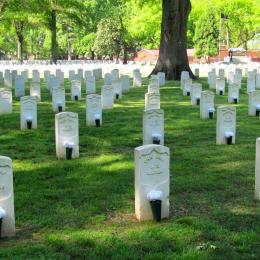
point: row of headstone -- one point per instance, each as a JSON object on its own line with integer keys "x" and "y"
{"x": 226, "y": 115}
{"x": 152, "y": 159}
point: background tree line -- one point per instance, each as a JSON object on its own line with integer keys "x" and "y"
{"x": 66, "y": 29}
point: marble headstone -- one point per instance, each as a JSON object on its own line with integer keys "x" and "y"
{"x": 137, "y": 78}
{"x": 152, "y": 101}
{"x": 117, "y": 85}
{"x": 254, "y": 103}
{"x": 94, "y": 109}
{"x": 125, "y": 83}
{"x": 107, "y": 96}
{"x": 220, "y": 86}
{"x": 151, "y": 174}
{"x": 187, "y": 87}
{"x": 7, "y": 196}
{"x": 207, "y": 107}
{"x": 90, "y": 85}
{"x": 75, "y": 90}
{"x": 108, "y": 79}
{"x": 6, "y": 101}
{"x": 28, "y": 114}
{"x": 19, "y": 86}
{"x": 66, "y": 134}
{"x": 233, "y": 93}
{"x": 35, "y": 90}
{"x": 257, "y": 170}
{"x": 58, "y": 100}
{"x": 196, "y": 93}
{"x": 226, "y": 124}
{"x": 153, "y": 127}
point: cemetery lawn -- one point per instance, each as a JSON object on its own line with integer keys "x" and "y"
{"x": 84, "y": 208}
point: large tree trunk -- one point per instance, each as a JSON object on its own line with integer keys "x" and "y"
{"x": 69, "y": 36}
{"x": 20, "y": 48}
{"x": 19, "y": 26}
{"x": 173, "y": 57}
{"x": 53, "y": 37}
{"x": 92, "y": 55}
{"x": 125, "y": 55}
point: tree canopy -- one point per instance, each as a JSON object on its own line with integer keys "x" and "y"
{"x": 52, "y": 29}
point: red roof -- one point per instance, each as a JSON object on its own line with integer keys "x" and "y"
{"x": 152, "y": 55}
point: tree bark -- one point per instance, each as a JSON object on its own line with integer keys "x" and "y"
{"x": 20, "y": 39}
{"x": 125, "y": 56}
{"x": 54, "y": 36}
{"x": 173, "y": 58}
{"x": 92, "y": 55}
{"x": 69, "y": 42}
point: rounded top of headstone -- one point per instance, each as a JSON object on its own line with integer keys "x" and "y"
{"x": 6, "y": 160}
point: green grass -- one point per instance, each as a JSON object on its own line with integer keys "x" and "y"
{"x": 84, "y": 209}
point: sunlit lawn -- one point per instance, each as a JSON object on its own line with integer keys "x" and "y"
{"x": 85, "y": 208}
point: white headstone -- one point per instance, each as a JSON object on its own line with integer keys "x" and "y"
{"x": 197, "y": 72}
{"x": 153, "y": 88}
{"x": 88, "y": 73}
{"x": 207, "y": 107}
{"x": 53, "y": 83}
{"x": 125, "y": 83}
{"x": 90, "y": 85}
{"x": 187, "y": 87}
{"x": 97, "y": 73}
{"x": 107, "y": 96}
{"x": 7, "y": 197}
{"x": 60, "y": 76}
{"x": 151, "y": 175}
{"x": 221, "y": 73}
{"x": 25, "y": 75}
{"x": 94, "y": 109}
{"x": 250, "y": 85}
{"x": 154, "y": 80}
{"x": 36, "y": 76}
{"x": 233, "y": 93}
{"x": 80, "y": 73}
{"x": 58, "y": 100}
{"x": 1, "y": 77}
{"x": 184, "y": 75}
{"x": 226, "y": 125}
{"x": 254, "y": 103}
{"x": 35, "y": 90}
{"x": 196, "y": 93}
{"x": 220, "y": 86}
{"x": 115, "y": 74}
{"x": 257, "y": 84}
{"x": 231, "y": 77}
{"x": 161, "y": 76}
{"x": 212, "y": 79}
{"x": 6, "y": 101}
{"x": 28, "y": 113}
{"x": 152, "y": 101}
{"x": 46, "y": 74}
{"x": 8, "y": 79}
{"x": 19, "y": 86}
{"x": 257, "y": 170}
{"x": 108, "y": 79}
{"x": 117, "y": 85}
{"x": 14, "y": 74}
{"x": 71, "y": 74}
{"x": 67, "y": 134}
{"x": 153, "y": 127}
{"x": 75, "y": 90}
{"x": 137, "y": 78}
